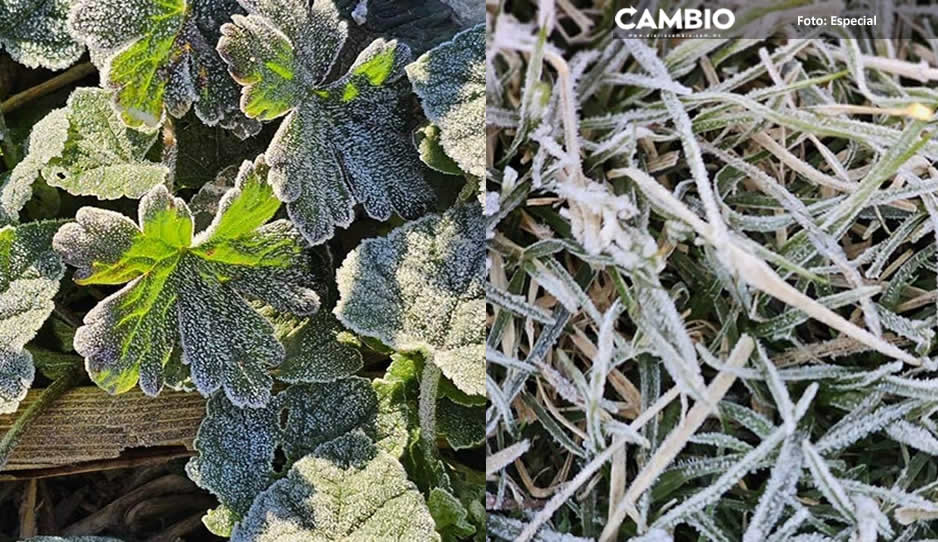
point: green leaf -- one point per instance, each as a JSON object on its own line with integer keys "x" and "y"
{"x": 429, "y": 145}
{"x": 348, "y": 490}
{"x": 189, "y": 289}
{"x": 53, "y": 365}
{"x": 420, "y": 289}
{"x": 342, "y": 142}
{"x": 397, "y": 408}
{"x": 220, "y": 521}
{"x": 29, "y": 277}
{"x": 461, "y": 426}
{"x": 158, "y": 55}
{"x": 449, "y": 515}
{"x": 34, "y": 33}
{"x": 85, "y": 149}
{"x": 450, "y": 80}
{"x": 71, "y": 539}
{"x": 237, "y": 445}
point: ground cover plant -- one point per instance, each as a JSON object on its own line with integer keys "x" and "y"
{"x": 711, "y": 280}
{"x": 271, "y": 204}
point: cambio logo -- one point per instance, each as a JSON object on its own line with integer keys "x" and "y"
{"x": 681, "y": 19}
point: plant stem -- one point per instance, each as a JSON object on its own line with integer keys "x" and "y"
{"x": 429, "y": 386}
{"x": 49, "y": 395}
{"x": 75, "y": 73}
{"x": 7, "y": 147}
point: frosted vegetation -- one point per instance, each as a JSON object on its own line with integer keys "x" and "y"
{"x": 711, "y": 283}
{"x": 318, "y": 278}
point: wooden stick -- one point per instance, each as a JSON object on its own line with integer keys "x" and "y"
{"x": 87, "y": 429}
{"x": 75, "y": 73}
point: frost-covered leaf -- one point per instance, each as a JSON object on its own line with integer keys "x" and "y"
{"x": 342, "y": 142}
{"x": 189, "y": 289}
{"x": 461, "y": 426}
{"x": 315, "y": 353}
{"x": 449, "y": 515}
{"x": 34, "y": 33}
{"x": 420, "y": 289}
{"x": 237, "y": 445}
{"x": 450, "y": 80}
{"x": 86, "y": 149}
{"x": 160, "y": 55}
{"x": 14, "y": 193}
{"x": 421, "y": 24}
{"x": 348, "y": 490}
{"x": 29, "y": 276}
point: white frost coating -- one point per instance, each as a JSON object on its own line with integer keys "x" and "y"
{"x": 450, "y": 80}
{"x": 420, "y": 289}
{"x": 189, "y": 289}
{"x": 654, "y": 535}
{"x": 341, "y": 142}
{"x": 237, "y": 446}
{"x": 345, "y": 491}
{"x": 86, "y": 149}
{"x": 29, "y": 277}
{"x": 460, "y": 424}
{"x": 159, "y": 57}
{"x": 34, "y": 33}
{"x": 14, "y": 193}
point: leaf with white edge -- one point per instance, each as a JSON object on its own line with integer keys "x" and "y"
{"x": 342, "y": 142}
{"x": 314, "y": 352}
{"x": 189, "y": 289}
{"x": 461, "y": 426}
{"x": 450, "y": 80}
{"x": 35, "y": 34}
{"x": 14, "y": 193}
{"x": 220, "y": 521}
{"x": 29, "y": 277}
{"x": 397, "y": 406}
{"x": 429, "y": 144}
{"x": 449, "y": 515}
{"x": 237, "y": 446}
{"x": 348, "y": 490}
{"x": 159, "y": 56}
{"x": 420, "y": 289}
{"x": 86, "y": 149}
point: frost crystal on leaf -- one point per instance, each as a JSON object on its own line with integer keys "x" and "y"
{"x": 420, "y": 289}
{"x": 450, "y": 80}
{"x": 29, "y": 276}
{"x": 237, "y": 446}
{"x": 314, "y": 352}
{"x": 14, "y": 193}
{"x": 189, "y": 289}
{"x": 85, "y": 149}
{"x": 34, "y": 33}
{"x": 160, "y": 55}
{"x": 459, "y": 424}
{"x": 347, "y": 490}
{"x": 342, "y": 142}
{"x": 421, "y": 24}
